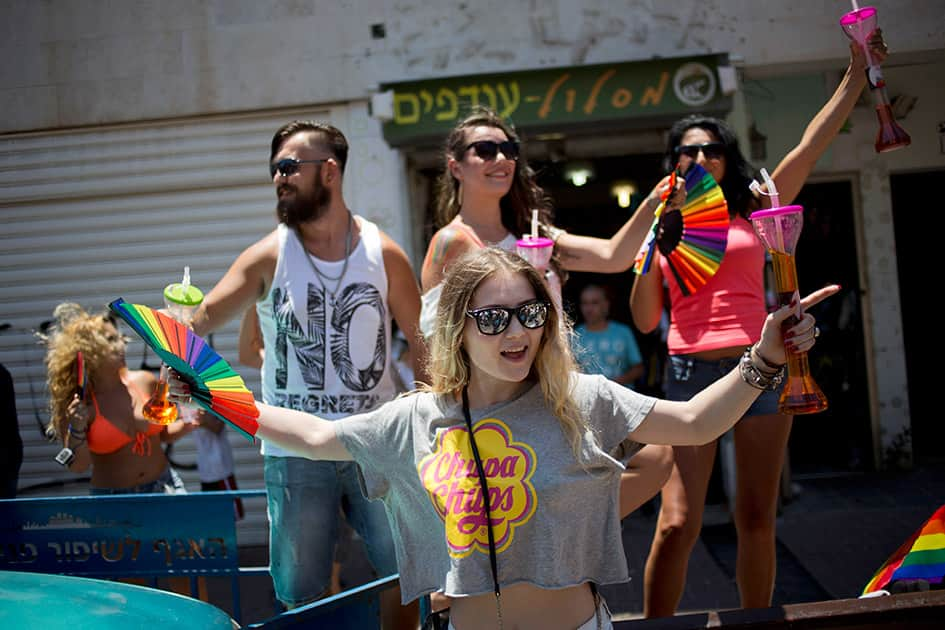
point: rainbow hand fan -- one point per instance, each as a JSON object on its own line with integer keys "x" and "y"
{"x": 921, "y": 557}
{"x": 644, "y": 259}
{"x": 693, "y": 238}
{"x": 215, "y": 386}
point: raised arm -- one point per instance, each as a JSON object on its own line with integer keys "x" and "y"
{"x": 792, "y": 171}
{"x": 615, "y": 254}
{"x": 403, "y": 296}
{"x": 718, "y": 407}
{"x": 245, "y": 281}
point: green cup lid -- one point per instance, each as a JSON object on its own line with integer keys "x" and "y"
{"x": 183, "y": 294}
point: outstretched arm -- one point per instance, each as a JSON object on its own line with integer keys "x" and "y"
{"x": 719, "y": 406}
{"x": 304, "y": 434}
{"x": 616, "y": 254}
{"x": 793, "y": 170}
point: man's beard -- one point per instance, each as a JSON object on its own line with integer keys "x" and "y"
{"x": 299, "y": 209}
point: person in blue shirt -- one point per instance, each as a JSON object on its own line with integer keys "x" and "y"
{"x": 602, "y": 346}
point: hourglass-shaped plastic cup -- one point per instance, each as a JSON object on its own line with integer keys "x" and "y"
{"x": 779, "y": 229}
{"x": 537, "y": 251}
{"x": 181, "y": 300}
{"x": 858, "y": 25}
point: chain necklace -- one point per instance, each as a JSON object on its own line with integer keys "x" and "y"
{"x": 323, "y": 277}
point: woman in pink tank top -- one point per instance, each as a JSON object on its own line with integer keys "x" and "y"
{"x": 709, "y": 330}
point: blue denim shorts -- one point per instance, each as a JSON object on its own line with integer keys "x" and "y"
{"x": 687, "y": 376}
{"x": 168, "y": 483}
{"x": 303, "y": 500}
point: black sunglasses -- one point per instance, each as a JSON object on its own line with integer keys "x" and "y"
{"x": 492, "y": 320}
{"x": 711, "y": 150}
{"x": 290, "y": 166}
{"x": 489, "y": 149}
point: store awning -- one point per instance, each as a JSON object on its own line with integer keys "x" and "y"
{"x": 615, "y": 95}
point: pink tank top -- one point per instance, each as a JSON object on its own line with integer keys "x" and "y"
{"x": 730, "y": 309}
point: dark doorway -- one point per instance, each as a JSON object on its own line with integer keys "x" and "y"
{"x": 593, "y": 210}
{"x": 910, "y": 195}
{"x": 839, "y": 439}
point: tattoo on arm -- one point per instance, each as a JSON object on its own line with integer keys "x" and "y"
{"x": 440, "y": 248}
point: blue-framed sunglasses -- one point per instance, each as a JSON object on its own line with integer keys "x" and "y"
{"x": 290, "y": 166}
{"x": 492, "y": 320}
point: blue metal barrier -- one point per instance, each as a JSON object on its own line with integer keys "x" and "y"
{"x": 157, "y": 535}
{"x": 354, "y": 608}
{"x": 132, "y": 535}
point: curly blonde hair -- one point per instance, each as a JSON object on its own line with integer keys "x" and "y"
{"x": 75, "y": 330}
{"x": 448, "y": 363}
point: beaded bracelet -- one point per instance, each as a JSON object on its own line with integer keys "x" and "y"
{"x": 755, "y": 377}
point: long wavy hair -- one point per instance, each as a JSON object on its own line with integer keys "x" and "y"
{"x": 75, "y": 330}
{"x": 448, "y": 363}
{"x": 525, "y": 194}
{"x": 738, "y": 171}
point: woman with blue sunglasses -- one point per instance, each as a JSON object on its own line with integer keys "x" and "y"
{"x": 501, "y": 478}
{"x": 709, "y": 329}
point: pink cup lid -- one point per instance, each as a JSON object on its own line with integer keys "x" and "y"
{"x": 775, "y": 212}
{"x": 859, "y": 15}
{"x": 540, "y": 241}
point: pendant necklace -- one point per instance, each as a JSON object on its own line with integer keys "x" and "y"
{"x": 323, "y": 277}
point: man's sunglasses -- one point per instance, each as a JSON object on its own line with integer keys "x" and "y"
{"x": 489, "y": 149}
{"x": 711, "y": 150}
{"x": 492, "y": 320}
{"x": 290, "y": 166}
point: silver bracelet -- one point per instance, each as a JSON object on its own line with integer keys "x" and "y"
{"x": 554, "y": 233}
{"x": 755, "y": 377}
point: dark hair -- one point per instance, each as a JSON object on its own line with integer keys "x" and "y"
{"x": 516, "y": 206}
{"x": 329, "y": 135}
{"x": 738, "y": 171}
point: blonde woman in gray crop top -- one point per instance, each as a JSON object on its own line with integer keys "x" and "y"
{"x": 550, "y": 442}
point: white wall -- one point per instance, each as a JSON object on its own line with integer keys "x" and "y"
{"x": 82, "y": 62}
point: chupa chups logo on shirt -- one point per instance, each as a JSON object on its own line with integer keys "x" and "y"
{"x": 450, "y": 477}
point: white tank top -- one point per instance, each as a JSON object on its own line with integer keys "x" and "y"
{"x": 323, "y": 356}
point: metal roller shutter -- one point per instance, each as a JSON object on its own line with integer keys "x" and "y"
{"x": 93, "y": 214}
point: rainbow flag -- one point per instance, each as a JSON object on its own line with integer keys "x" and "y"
{"x": 922, "y": 557}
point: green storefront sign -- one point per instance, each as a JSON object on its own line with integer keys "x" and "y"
{"x": 545, "y": 99}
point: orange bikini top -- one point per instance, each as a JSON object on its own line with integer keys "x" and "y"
{"x": 104, "y": 437}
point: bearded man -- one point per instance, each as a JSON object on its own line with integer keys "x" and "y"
{"x": 326, "y": 283}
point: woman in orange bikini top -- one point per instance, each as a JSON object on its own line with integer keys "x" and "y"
{"x": 106, "y": 430}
